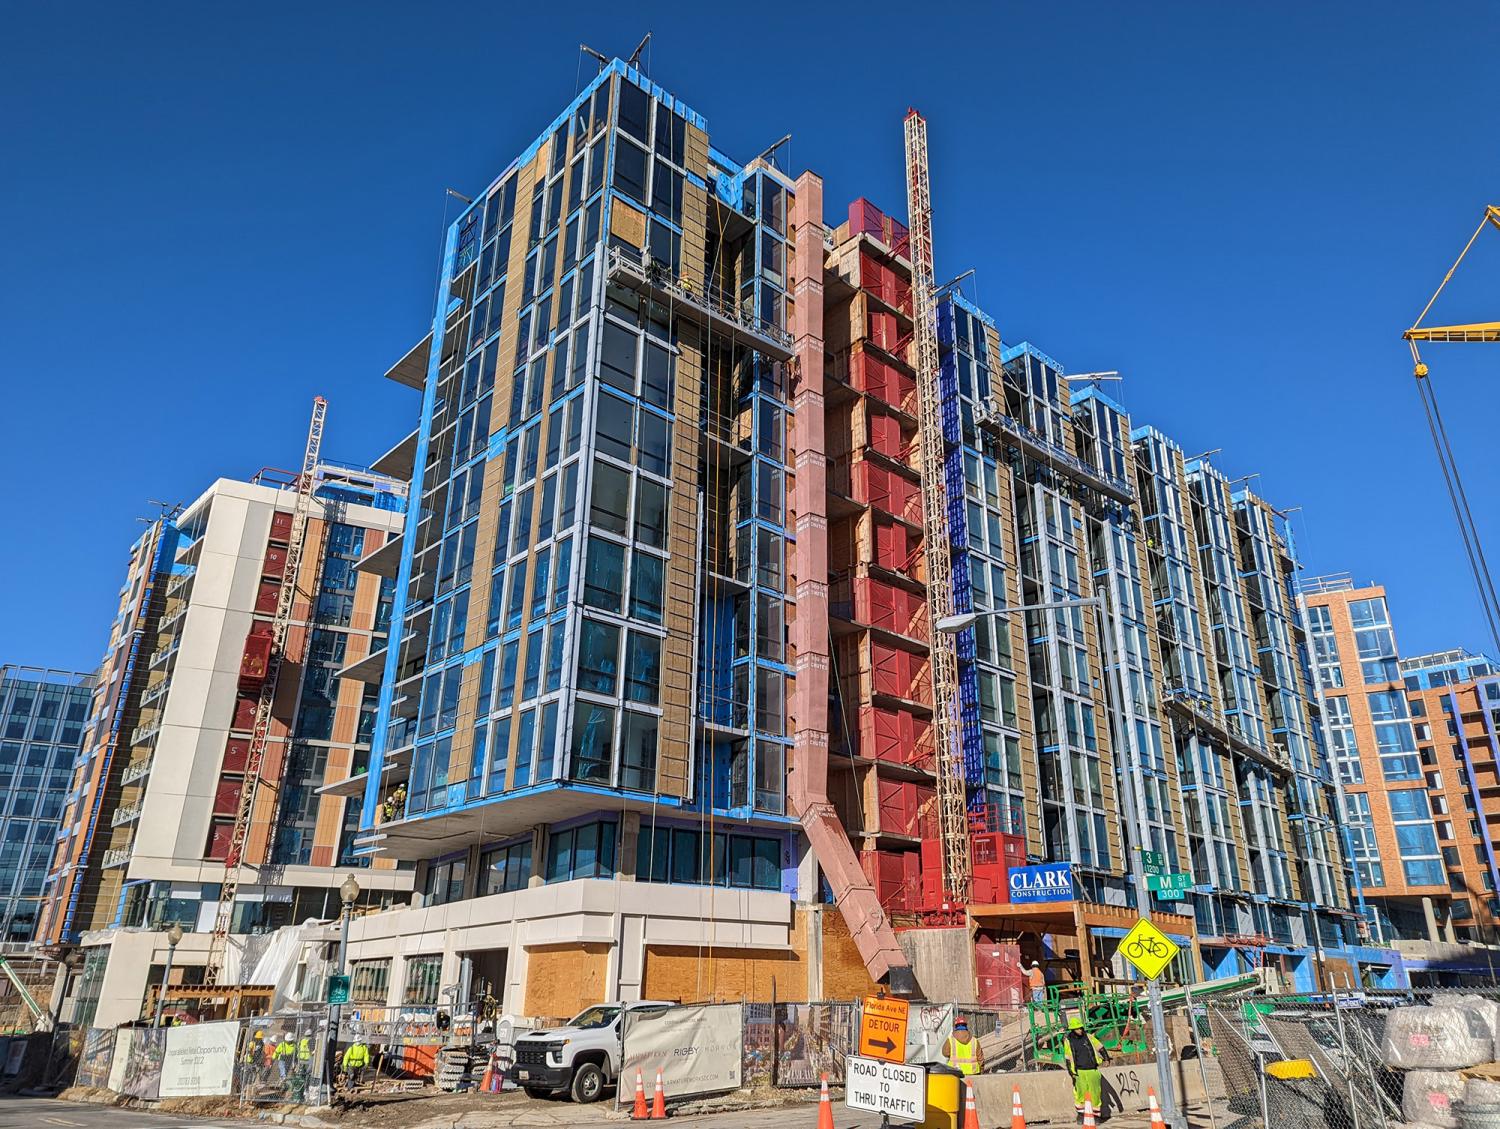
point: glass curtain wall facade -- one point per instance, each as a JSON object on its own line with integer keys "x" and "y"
{"x": 593, "y": 586}
{"x": 42, "y": 718}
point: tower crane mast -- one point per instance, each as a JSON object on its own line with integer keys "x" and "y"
{"x": 953, "y": 819}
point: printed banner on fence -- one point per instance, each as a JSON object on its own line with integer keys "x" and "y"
{"x": 123, "y": 1037}
{"x": 142, "y": 1077}
{"x": 94, "y": 1060}
{"x": 200, "y": 1060}
{"x": 812, "y": 1040}
{"x": 759, "y": 1058}
{"x": 698, "y": 1049}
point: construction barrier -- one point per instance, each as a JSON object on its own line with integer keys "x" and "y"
{"x": 695, "y": 1049}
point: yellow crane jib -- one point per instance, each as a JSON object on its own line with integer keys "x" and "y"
{"x": 1480, "y": 331}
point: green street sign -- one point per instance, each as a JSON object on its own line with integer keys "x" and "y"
{"x": 1169, "y": 887}
{"x": 1153, "y": 862}
{"x": 338, "y": 989}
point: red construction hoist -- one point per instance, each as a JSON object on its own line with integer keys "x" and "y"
{"x": 261, "y": 731}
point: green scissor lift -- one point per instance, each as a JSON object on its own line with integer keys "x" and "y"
{"x": 1120, "y": 1020}
{"x": 1116, "y": 1019}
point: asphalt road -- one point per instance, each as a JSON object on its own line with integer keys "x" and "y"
{"x": 49, "y": 1113}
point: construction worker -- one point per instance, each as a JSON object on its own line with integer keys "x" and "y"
{"x": 356, "y": 1058}
{"x": 1082, "y": 1055}
{"x": 1038, "y": 981}
{"x": 304, "y": 1056}
{"x": 251, "y": 1060}
{"x": 283, "y": 1054}
{"x": 961, "y": 1051}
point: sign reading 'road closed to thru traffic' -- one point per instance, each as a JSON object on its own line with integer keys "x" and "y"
{"x": 882, "y": 1028}
{"x": 885, "y": 1087}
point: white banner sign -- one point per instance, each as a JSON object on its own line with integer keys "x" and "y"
{"x": 885, "y": 1087}
{"x": 697, "y": 1049}
{"x": 200, "y": 1060}
{"x": 116, "y": 1081}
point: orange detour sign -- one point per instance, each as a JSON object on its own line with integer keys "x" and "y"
{"x": 882, "y": 1029}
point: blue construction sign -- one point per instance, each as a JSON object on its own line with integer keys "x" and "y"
{"x": 1050, "y": 882}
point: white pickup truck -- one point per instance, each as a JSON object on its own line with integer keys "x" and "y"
{"x": 581, "y": 1058}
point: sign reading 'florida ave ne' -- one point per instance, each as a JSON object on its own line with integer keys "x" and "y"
{"x": 1050, "y": 882}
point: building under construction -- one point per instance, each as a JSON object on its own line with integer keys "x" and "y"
{"x": 702, "y": 687}
{"x": 176, "y": 766}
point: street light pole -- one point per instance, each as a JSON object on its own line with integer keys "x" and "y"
{"x": 1113, "y": 631}
{"x": 1110, "y": 644}
{"x": 174, "y": 938}
{"x": 348, "y": 892}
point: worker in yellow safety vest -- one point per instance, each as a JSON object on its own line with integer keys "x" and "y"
{"x": 283, "y": 1055}
{"x": 356, "y": 1058}
{"x": 1084, "y": 1055}
{"x": 961, "y": 1051}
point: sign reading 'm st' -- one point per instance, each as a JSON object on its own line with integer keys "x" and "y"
{"x": 1050, "y": 882}
{"x": 885, "y": 1087}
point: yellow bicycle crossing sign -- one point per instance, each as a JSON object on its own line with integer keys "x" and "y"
{"x": 1148, "y": 948}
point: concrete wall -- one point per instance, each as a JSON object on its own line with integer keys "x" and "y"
{"x": 1047, "y": 1095}
{"x": 626, "y": 940}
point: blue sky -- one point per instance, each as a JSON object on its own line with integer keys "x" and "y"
{"x": 210, "y": 213}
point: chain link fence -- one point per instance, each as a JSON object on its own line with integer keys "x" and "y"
{"x": 1366, "y": 1060}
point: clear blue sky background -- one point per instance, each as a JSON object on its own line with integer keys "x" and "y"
{"x": 208, "y": 213}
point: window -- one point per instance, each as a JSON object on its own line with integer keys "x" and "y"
{"x": 657, "y": 376}
{"x": 369, "y": 982}
{"x": 650, "y": 513}
{"x": 604, "y": 575}
{"x": 770, "y": 777}
{"x": 770, "y": 701}
{"x": 635, "y": 110}
{"x": 423, "y": 981}
{"x": 630, "y": 170}
{"x": 609, "y": 506}
{"x": 593, "y": 743}
{"x": 638, "y": 752}
{"x": 642, "y": 669}
{"x": 668, "y": 854}
{"x": 598, "y": 657}
{"x": 614, "y": 426}
{"x": 581, "y": 852}
{"x": 655, "y": 443}
{"x": 504, "y": 869}
{"x": 445, "y": 882}
{"x": 617, "y": 356}
{"x": 646, "y": 573}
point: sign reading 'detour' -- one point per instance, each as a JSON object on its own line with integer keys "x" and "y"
{"x": 1050, "y": 882}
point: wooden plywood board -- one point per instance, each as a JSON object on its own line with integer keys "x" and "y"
{"x": 562, "y": 980}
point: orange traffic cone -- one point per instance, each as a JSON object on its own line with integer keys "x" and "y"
{"x": 825, "y": 1107}
{"x": 971, "y": 1111}
{"x": 659, "y": 1102}
{"x": 1017, "y": 1114}
{"x": 488, "y": 1078}
{"x": 640, "y": 1113}
{"x": 1088, "y": 1114}
{"x": 1156, "y": 1117}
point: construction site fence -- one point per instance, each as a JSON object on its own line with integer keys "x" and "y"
{"x": 275, "y": 1059}
{"x": 1360, "y": 1060}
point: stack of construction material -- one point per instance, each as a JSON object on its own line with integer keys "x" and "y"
{"x": 1444, "y": 1049}
{"x": 459, "y": 1068}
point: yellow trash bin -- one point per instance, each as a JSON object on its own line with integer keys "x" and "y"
{"x": 945, "y": 1100}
